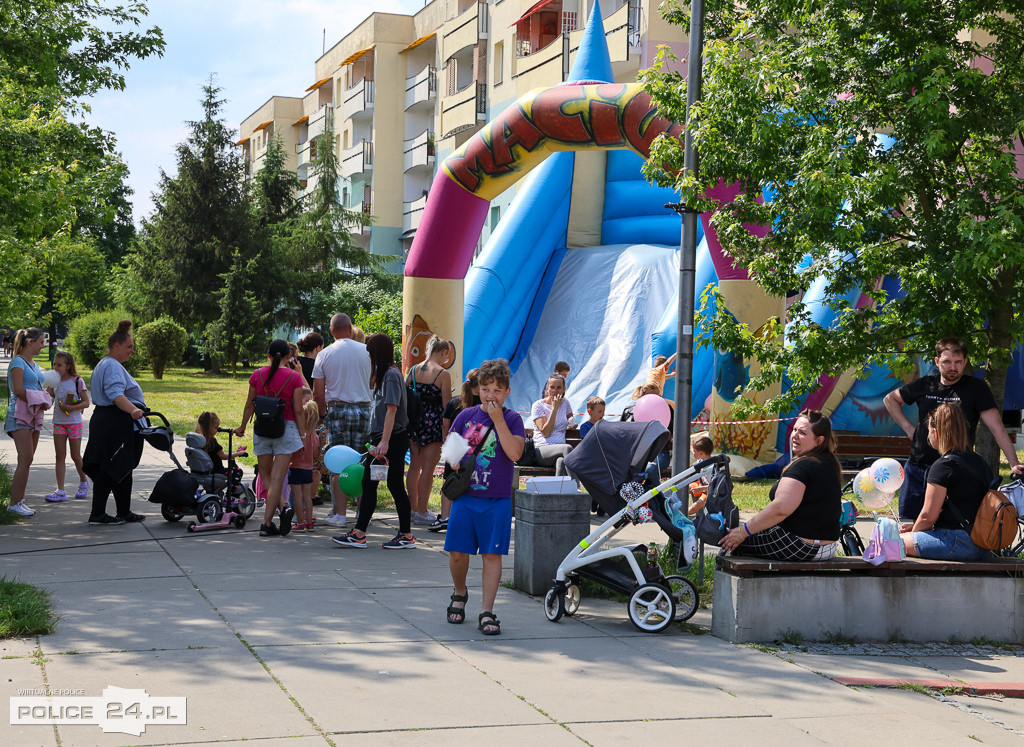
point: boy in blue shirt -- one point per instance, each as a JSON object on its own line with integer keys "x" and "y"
{"x": 595, "y": 411}
{"x": 481, "y": 518}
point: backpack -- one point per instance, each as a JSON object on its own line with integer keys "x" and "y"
{"x": 269, "y": 411}
{"x": 995, "y": 526}
{"x": 885, "y": 544}
{"x": 719, "y": 514}
{"x": 413, "y": 403}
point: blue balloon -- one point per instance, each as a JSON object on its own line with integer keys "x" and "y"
{"x": 339, "y": 457}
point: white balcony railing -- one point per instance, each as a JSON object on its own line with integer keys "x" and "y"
{"x": 358, "y": 100}
{"x": 421, "y": 88}
{"x": 418, "y": 152}
{"x": 412, "y": 212}
{"x": 357, "y": 159}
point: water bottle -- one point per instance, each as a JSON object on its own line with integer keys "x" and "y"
{"x": 652, "y": 556}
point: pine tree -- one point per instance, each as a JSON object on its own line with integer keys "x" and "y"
{"x": 240, "y": 331}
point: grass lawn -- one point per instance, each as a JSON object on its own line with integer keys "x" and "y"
{"x": 24, "y": 610}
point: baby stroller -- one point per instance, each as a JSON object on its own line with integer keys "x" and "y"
{"x": 217, "y": 500}
{"x": 606, "y": 462}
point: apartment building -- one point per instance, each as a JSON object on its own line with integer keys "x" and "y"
{"x": 402, "y": 92}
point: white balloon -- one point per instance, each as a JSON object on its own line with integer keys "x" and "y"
{"x": 887, "y": 475}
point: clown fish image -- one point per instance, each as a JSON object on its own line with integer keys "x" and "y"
{"x": 415, "y": 348}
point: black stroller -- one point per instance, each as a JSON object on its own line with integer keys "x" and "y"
{"x": 216, "y": 500}
{"x": 611, "y": 463}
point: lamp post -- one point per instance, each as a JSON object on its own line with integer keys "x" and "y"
{"x": 687, "y": 256}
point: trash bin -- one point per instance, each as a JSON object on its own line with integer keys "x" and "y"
{"x": 548, "y": 526}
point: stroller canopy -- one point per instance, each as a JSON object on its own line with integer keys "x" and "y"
{"x": 612, "y": 453}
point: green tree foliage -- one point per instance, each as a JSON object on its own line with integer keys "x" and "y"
{"x": 795, "y": 95}
{"x": 87, "y": 340}
{"x": 240, "y": 332}
{"x": 60, "y": 180}
{"x": 164, "y": 341}
{"x": 275, "y": 187}
{"x": 201, "y": 217}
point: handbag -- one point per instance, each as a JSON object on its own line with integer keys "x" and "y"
{"x": 269, "y": 412}
{"x": 529, "y": 457}
{"x": 995, "y": 526}
{"x": 459, "y": 480}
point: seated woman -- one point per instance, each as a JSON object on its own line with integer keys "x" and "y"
{"x": 552, "y": 416}
{"x": 959, "y": 478}
{"x": 802, "y": 520}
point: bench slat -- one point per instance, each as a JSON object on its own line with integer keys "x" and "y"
{"x": 750, "y": 567}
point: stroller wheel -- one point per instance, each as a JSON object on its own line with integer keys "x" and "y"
{"x": 572, "y": 598}
{"x": 686, "y": 596}
{"x": 171, "y": 513}
{"x": 652, "y": 608}
{"x": 209, "y": 511}
{"x": 554, "y": 603}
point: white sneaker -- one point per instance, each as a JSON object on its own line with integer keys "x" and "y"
{"x": 426, "y": 518}
{"x": 336, "y": 520}
{"x": 21, "y": 509}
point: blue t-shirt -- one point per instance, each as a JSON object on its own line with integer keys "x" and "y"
{"x": 585, "y": 428}
{"x": 32, "y": 378}
{"x": 492, "y": 473}
{"x": 110, "y": 380}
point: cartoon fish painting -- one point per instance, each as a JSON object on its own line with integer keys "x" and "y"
{"x": 414, "y": 350}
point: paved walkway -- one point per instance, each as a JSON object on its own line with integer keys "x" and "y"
{"x": 295, "y": 641}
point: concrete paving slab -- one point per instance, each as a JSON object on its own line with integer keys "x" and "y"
{"x": 864, "y": 666}
{"x": 17, "y": 648}
{"x": 230, "y": 695}
{"x": 133, "y": 615}
{"x": 760, "y": 730}
{"x": 979, "y": 668}
{"x": 390, "y": 686}
{"x": 551, "y": 734}
{"x": 572, "y": 680}
{"x": 272, "y": 618}
{"x": 281, "y": 580}
{"x": 20, "y": 675}
{"x": 433, "y": 574}
{"x": 65, "y": 568}
{"x": 1005, "y": 711}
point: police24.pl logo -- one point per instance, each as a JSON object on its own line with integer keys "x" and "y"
{"x": 117, "y": 711}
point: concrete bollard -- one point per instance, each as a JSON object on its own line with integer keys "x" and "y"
{"x": 547, "y": 527}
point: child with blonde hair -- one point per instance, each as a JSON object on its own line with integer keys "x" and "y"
{"x": 70, "y": 398}
{"x": 300, "y": 473}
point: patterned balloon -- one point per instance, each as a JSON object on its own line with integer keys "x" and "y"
{"x": 866, "y": 492}
{"x": 887, "y": 475}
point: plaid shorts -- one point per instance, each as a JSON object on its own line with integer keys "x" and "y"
{"x": 347, "y": 425}
{"x": 775, "y": 543}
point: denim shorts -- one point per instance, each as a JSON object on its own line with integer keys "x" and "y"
{"x": 948, "y": 544}
{"x": 288, "y": 443}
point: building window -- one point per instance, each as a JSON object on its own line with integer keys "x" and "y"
{"x": 499, "y": 61}
{"x": 495, "y": 216}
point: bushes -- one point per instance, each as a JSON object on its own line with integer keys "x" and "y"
{"x": 88, "y": 339}
{"x": 164, "y": 341}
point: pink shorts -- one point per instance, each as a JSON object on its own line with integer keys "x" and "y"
{"x": 71, "y": 430}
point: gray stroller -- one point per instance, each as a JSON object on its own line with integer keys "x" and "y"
{"x": 612, "y": 464}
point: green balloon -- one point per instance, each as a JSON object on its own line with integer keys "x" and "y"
{"x": 350, "y": 480}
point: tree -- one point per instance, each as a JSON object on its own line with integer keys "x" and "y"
{"x": 201, "y": 217}
{"x": 240, "y": 332}
{"x": 164, "y": 342}
{"x": 275, "y": 187}
{"x": 884, "y": 133}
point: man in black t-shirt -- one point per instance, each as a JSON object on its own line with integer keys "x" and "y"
{"x": 950, "y": 385}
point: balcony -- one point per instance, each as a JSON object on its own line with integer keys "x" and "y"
{"x": 411, "y": 214}
{"x": 367, "y": 210}
{"x": 358, "y": 100}
{"x": 357, "y": 159}
{"x": 421, "y": 89}
{"x": 418, "y": 152}
{"x": 464, "y": 108}
{"x": 302, "y": 160}
{"x": 465, "y": 30}
{"x": 318, "y": 122}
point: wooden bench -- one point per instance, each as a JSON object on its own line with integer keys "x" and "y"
{"x": 848, "y": 599}
{"x": 856, "y": 451}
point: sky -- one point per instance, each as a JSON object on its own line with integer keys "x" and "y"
{"x": 256, "y": 49}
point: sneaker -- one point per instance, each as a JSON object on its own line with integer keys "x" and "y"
{"x": 426, "y": 518}
{"x": 336, "y": 520}
{"x": 350, "y": 540}
{"x": 286, "y": 520}
{"x": 302, "y": 526}
{"x": 21, "y": 509}
{"x": 57, "y": 496}
{"x": 83, "y": 490}
{"x": 311, "y": 524}
{"x": 131, "y": 517}
{"x": 400, "y": 542}
{"x": 106, "y": 521}
{"x": 438, "y": 525}
{"x": 269, "y": 530}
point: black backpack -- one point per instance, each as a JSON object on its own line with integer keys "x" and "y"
{"x": 413, "y": 403}
{"x": 719, "y": 514}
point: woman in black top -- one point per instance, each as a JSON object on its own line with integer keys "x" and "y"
{"x": 959, "y": 477}
{"x": 309, "y": 346}
{"x": 802, "y": 520}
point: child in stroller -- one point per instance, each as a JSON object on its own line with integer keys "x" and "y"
{"x": 611, "y": 463}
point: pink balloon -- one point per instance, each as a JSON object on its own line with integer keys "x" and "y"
{"x": 652, "y": 407}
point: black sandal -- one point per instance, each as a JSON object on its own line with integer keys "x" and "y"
{"x": 489, "y": 620}
{"x": 457, "y": 615}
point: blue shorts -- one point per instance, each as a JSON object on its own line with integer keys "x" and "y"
{"x": 299, "y": 476}
{"x": 479, "y": 525}
{"x": 948, "y": 544}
